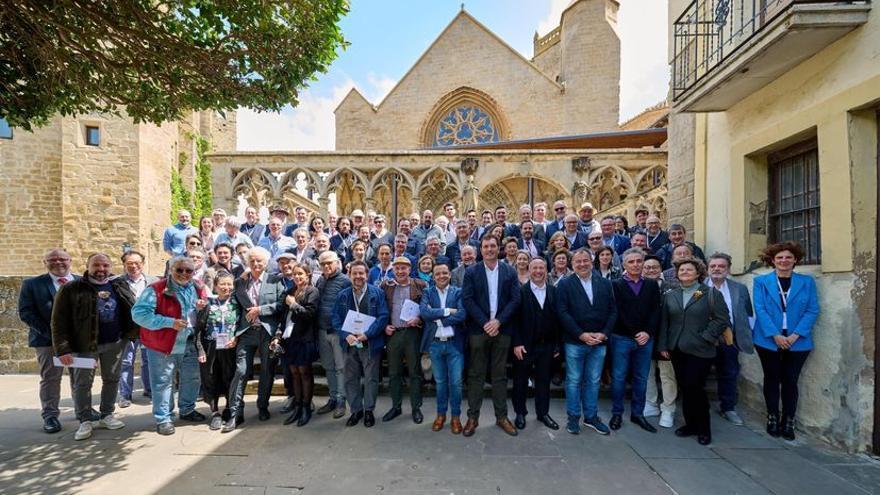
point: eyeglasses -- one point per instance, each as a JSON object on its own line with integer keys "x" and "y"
{"x": 561, "y": 208}
{"x": 180, "y": 271}
{"x": 325, "y": 263}
{"x": 194, "y": 243}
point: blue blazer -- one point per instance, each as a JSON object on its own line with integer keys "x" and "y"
{"x": 35, "y": 308}
{"x": 540, "y": 246}
{"x": 579, "y": 241}
{"x": 376, "y": 307}
{"x": 619, "y": 244}
{"x": 475, "y": 292}
{"x": 430, "y": 311}
{"x": 578, "y": 314}
{"x": 802, "y": 311}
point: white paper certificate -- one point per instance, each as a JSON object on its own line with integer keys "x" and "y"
{"x": 78, "y": 362}
{"x": 409, "y": 311}
{"x": 222, "y": 340}
{"x": 357, "y": 323}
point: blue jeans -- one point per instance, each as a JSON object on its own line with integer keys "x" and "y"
{"x": 583, "y": 369}
{"x": 162, "y": 368}
{"x": 626, "y": 355}
{"x": 448, "y": 364}
{"x": 126, "y": 378}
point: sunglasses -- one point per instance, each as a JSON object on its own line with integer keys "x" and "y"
{"x": 325, "y": 263}
{"x": 559, "y": 209}
{"x": 594, "y": 238}
{"x": 194, "y": 243}
{"x": 183, "y": 270}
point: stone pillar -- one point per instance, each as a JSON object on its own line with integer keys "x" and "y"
{"x": 415, "y": 206}
{"x": 325, "y": 206}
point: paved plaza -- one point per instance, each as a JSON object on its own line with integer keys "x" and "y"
{"x": 327, "y": 458}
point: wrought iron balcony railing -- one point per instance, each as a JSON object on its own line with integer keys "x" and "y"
{"x": 710, "y": 31}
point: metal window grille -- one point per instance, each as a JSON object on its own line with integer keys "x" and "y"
{"x": 793, "y": 213}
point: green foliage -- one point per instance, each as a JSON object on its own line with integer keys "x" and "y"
{"x": 203, "y": 196}
{"x": 159, "y": 59}
{"x": 200, "y": 201}
{"x": 181, "y": 198}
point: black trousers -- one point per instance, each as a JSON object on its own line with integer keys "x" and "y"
{"x": 217, "y": 372}
{"x": 782, "y": 369}
{"x": 491, "y": 350}
{"x": 690, "y": 373}
{"x": 537, "y": 363}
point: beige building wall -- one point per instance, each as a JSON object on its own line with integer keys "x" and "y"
{"x": 30, "y": 196}
{"x": 527, "y": 95}
{"x": 832, "y": 96}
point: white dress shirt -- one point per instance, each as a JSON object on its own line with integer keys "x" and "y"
{"x": 55, "y": 280}
{"x": 587, "y": 284}
{"x": 137, "y": 285}
{"x": 492, "y": 283}
{"x": 725, "y": 291}
{"x": 530, "y": 247}
{"x": 540, "y": 293}
{"x": 443, "y": 331}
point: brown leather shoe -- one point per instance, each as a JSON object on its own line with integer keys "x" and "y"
{"x": 456, "y": 425}
{"x": 507, "y": 426}
{"x": 469, "y": 427}
{"x": 438, "y": 423}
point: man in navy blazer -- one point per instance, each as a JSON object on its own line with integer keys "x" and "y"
{"x": 576, "y": 238}
{"x": 462, "y": 238}
{"x": 491, "y": 299}
{"x": 588, "y": 313}
{"x": 528, "y": 242}
{"x": 615, "y": 241}
{"x": 35, "y": 310}
{"x": 443, "y": 312}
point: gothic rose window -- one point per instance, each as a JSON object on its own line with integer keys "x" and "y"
{"x": 465, "y": 125}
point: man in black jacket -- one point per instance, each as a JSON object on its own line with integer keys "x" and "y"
{"x": 90, "y": 319}
{"x": 638, "y": 310}
{"x": 535, "y": 343}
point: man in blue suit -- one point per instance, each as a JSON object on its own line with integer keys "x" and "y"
{"x": 443, "y": 312}
{"x": 616, "y": 242}
{"x": 491, "y": 299}
{"x": 462, "y": 239}
{"x": 588, "y": 314}
{"x": 528, "y": 242}
{"x": 576, "y": 238}
{"x": 363, "y": 351}
{"x": 35, "y": 310}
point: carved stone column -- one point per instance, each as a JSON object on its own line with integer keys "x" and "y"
{"x": 325, "y": 206}
{"x": 470, "y": 197}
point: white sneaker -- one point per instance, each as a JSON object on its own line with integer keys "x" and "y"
{"x": 111, "y": 423}
{"x": 84, "y": 431}
{"x": 666, "y": 419}
{"x": 651, "y": 410}
{"x": 123, "y": 403}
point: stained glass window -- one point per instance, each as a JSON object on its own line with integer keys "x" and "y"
{"x": 465, "y": 125}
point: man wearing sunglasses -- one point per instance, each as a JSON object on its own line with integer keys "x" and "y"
{"x": 558, "y": 222}
{"x": 166, "y": 312}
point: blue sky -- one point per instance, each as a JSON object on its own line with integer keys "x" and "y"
{"x": 387, "y": 36}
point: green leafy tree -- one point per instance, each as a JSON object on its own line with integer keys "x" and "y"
{"x": 203, "y": 195}
{"x": 158, "y": 58}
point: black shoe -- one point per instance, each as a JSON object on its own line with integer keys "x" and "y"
{"x": 391, "y": 414}
{"x": 643, "y": 423}
{"x": 194, "y": 416}
{"x": 704, "y": 439}
{"x": 305, "y": 417}
{"x": 616, "y": 422}
{"x": 773, "y": 425}
{"x": 548, "y": 422}
{"x": 556, "y": 380}
{"x": 239, "y": 420}
{"x": 355, "y": 418}
{"x": 330, "y": 406}
{"x": 417, "y": 416}
{"x": 684, "y": 431}
{"x": 787, "y": 428}
{"x": 51, "y": 425}
{"x": 291, "y": 404}
{"x": 520, "y": 421}
{"x": 264, "y": 414}
{"x": 295, "y": 414}
{"x": 369, "y": 419}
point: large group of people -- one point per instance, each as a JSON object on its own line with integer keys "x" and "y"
{"x": 561, "y": 296}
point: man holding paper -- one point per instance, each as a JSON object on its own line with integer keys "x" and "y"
{"x": 402, "y": 295}
{"x": 90, "y": 320}
{"x": 359, "y": 317}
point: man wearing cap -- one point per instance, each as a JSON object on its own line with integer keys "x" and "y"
{"x": 403, "y": 338}
{"x": 587, "y": 222}
{"x": 276, "y": 243}
{"x": 332, "y": 281}
{"x": 357, "y": 219}
{"x": 219, "y": 217}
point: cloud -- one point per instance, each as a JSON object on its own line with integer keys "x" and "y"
{"x": 551, "y": 20}
{"x": 644, "y": 71}
{"x": 309, "y": 126}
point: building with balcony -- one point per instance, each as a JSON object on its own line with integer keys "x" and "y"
{"x": 773, "y": 135}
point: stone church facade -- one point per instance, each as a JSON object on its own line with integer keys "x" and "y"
{"x": 481, "y": 131}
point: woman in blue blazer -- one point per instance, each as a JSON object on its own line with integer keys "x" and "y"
{"x": 786, "y": 308}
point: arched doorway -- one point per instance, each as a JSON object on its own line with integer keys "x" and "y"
{"x": 515, "y": 191}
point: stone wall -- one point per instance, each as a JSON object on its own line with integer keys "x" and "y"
{"x": 30, "y": 197}
{"x": 15, "y": 355}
